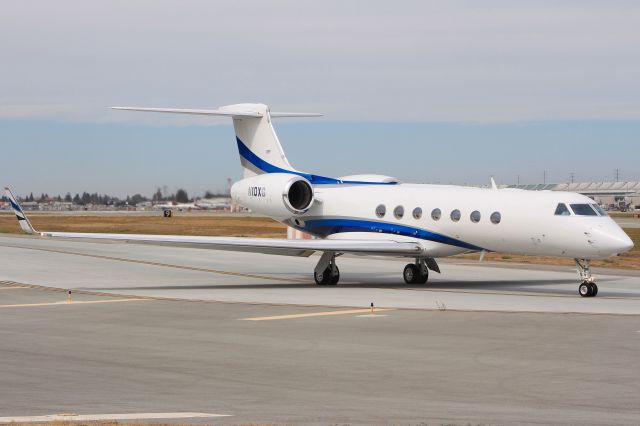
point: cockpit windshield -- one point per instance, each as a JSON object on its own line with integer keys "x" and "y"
{"x": 583, "y": 210}
{"x": 562, "y": 210}
{"x": 599, "y": 209}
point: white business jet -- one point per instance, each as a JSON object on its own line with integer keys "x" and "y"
{"x": 377, "y": 215}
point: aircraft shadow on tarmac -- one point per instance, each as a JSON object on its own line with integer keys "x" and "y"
{"x": 524, "y": 286}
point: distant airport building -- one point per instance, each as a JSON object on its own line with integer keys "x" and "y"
{"x": 612, "y": 195}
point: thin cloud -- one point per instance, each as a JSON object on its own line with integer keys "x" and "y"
{"x": 493, "y": 61}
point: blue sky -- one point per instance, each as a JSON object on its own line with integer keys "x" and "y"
{"x": 427, "y": 91}
{"x": 124, "y": 159}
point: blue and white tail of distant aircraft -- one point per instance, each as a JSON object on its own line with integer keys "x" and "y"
{"x": 378, "y": 215}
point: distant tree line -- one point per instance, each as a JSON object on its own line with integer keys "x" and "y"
{"x": 180, "y": 196}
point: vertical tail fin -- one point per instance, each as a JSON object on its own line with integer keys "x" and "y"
{"x": 22, "y": 218}
{"x": 259, "y": 147}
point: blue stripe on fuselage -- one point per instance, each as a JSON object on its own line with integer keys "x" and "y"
{"x": 325, "y": 227}
{"x": 267, "y": 167}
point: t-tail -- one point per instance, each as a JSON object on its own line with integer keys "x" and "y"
{"x": 258, "y": 145}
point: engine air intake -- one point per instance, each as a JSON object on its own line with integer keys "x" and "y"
{"x": 299, "y": 196}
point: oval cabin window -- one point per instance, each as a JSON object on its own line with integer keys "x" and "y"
{"x": 496, "y": 217}
{"x": 398, "y": 212}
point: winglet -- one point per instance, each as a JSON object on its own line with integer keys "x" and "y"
{"x": 22, "y": 218}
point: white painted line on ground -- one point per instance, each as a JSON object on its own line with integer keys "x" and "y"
{"x": 75, "y": 302}
{"x": 371, "y": 316}
{"x": 98, "y": 417}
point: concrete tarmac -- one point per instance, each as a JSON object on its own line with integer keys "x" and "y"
{"x": 477, "y": 345}
{"x": 406, "y": 367}
{"x": 142, "y": 270}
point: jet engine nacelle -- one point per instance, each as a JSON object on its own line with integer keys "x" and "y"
{"x": 274, "y": 194}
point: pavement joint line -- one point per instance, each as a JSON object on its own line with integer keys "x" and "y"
{"x": 66, "y": 303}
{"x": 161, "y": 264}
{"x": 313, "y": 314}
{"x": 308, "y": 305}
{"x": 99, "y": 417}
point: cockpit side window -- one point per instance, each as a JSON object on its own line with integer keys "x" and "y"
{"x": 583, "y": 210}
{"x": 599, "y": 209}
{"x": 562, "y": 210}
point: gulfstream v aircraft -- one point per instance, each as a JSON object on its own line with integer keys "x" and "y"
{"x": 377, "y": 215}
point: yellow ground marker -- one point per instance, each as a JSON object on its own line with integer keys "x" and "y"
{"x": 77, "y": 302}
{"x": 314, "y": 314}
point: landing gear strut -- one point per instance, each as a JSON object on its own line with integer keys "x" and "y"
{"x": 327, "y": 272}
{"x": 588, "y": 287}
{"x": 416, "y": 273}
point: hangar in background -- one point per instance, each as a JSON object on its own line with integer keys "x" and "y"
{"x": 621, "y": 196}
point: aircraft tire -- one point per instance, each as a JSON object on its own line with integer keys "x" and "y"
{"x": 585, "y": 289}
{"x": 326, "y": 278}
{"x": 411, "y": 274}
{"x": 423, "y": 278}
{"x": 336, "y": 277}
{"x": 594, "y": 290}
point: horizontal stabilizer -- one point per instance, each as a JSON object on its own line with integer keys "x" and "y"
{"x": 241, "y": 110}
{"x": 294, "y": 114}
{"x": 194, "y": 111}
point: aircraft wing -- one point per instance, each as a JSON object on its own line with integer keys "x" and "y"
{"x": 256, "y": 245}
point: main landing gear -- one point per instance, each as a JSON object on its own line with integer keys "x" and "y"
{"x": 327, "y": 272}
{"x": 588, "y": 287}
{"x": 416, "y": 273}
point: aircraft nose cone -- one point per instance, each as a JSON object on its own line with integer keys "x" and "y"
{"x": 626, "y": 244}
{"x": 614, "y": 241}
{"x": 622, "y": 241}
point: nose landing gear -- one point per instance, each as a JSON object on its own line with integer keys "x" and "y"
{"x": 588, "y": 287}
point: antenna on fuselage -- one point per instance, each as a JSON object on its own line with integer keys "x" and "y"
{"x": 493, "y": 184}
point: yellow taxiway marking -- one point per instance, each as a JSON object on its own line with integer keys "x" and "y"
{"x": 75, "y": 302}
{"x": 13, "y": 288}
{"x": 314, "y": 314}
